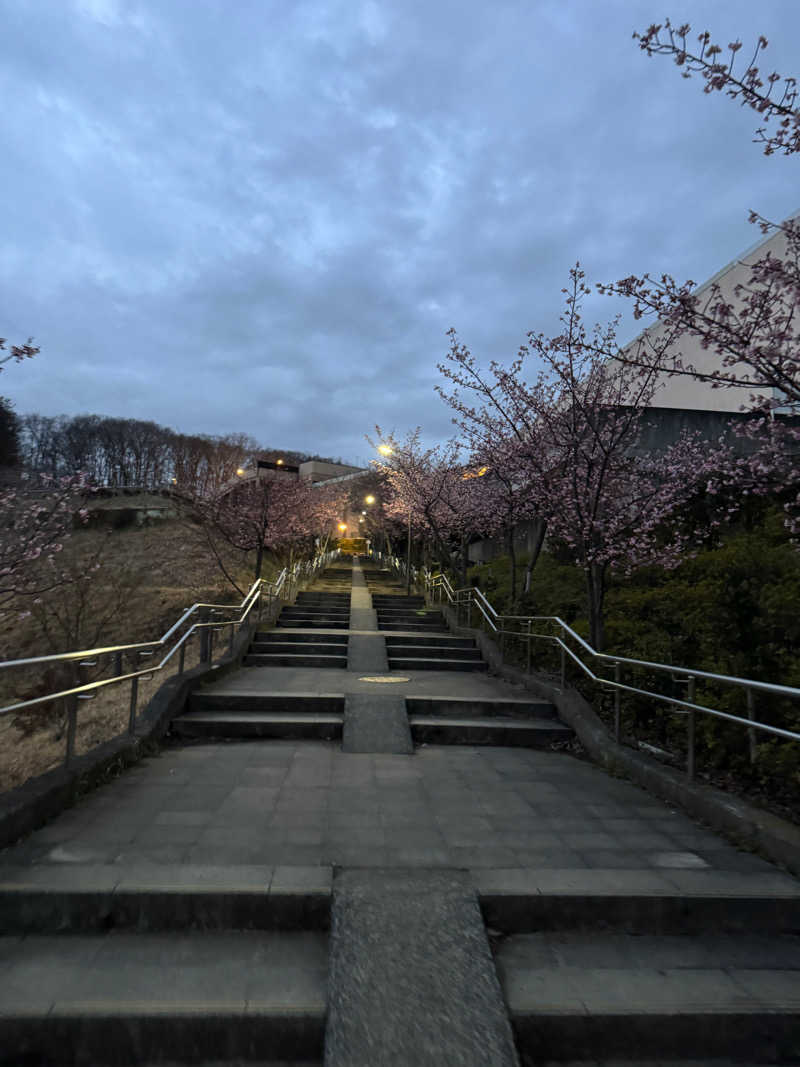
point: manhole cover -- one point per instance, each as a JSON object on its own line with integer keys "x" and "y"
{"x": 392, "y": 678}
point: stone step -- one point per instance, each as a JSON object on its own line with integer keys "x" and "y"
{"x": 496, "y": 730}
{"x": 322, "y": 598}
{"x": 296, "y": 725}
{"x": 411, "y": 663}
{"x": 133, "y": 998}
{"x": 576, "y": 995}
{"x": 309, "y": 703}
{"x": 74, "y": 898}
{"x": 460, "y": 707}
{"x": 318, "y": 646}
{"x": 315, "y": 613}
{"x": 268, "y": 636}
{"x": 670, "y": 901}
{"x": 297, "y": 659}
{"x": 430, "y": 616}
{"x": 440, "y": 650}
{"x": 433, "y": 641}
{"x": 413, "y": 628}
{"x": 398, "y": 601}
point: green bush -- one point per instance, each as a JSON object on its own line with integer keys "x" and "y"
{"x": 733, "y": 609}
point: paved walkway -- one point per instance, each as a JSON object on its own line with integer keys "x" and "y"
{"x": 307, "y": 803}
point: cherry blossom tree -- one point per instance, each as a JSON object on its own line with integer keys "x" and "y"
{"x": 571, "y": 434}
{"x": 36, "y": 519}
{"x": 753, "y": 330}
{"x": 748, "y": 86}
{"x": 429, "y": 487}
{"x": 17, "y": 352}
{"x": 275, "y": 513}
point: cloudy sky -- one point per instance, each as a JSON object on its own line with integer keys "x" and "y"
{"x": 260, "y": 216}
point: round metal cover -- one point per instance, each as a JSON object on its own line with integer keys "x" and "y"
{"x": 384, "y": 678}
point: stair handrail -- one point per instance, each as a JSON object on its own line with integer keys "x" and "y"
{"x": 260, "y": 590}
{"x": 471, "y": 596}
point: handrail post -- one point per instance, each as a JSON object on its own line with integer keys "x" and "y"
{"x": 205, "y": 644}
{"x": 529, "y": 647}
{"x": 502, "y": 640}
{"x": 134, "y": 698}
{"x": 751, "y": 734}
{"x": 563, "y": 663}
{"x": 691, "y": 723}
{"x": 182, "y": 657}
{"x": 72, "y": 724}
{"x": 232, "y": 628}
{"x": 617, "y": 703}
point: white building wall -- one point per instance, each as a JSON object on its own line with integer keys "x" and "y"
{"x": 685, "y": 392}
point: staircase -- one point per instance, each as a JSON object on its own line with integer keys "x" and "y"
{"x": 400, "y": 873}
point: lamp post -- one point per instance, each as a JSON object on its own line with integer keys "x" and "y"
{"x": 387, "y": 450}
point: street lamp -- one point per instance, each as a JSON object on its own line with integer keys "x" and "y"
{"x": 342, "y": 527}
{"x": 387, "y": 450}
{"x": 369, "y": 499}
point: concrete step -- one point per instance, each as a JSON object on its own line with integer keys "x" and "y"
{"x": 398, "y": 601}
{"x": 442, "y": 649}
{"x": 316, "y": 646}
{"x": 297, "y": 659}
{"x": 496, "y": 730}
{"x": 133, "y": 998}
{"x": 322, "y": 598}
{"x": 672, "y": 901}
{"x": 316, "y": 703}
{"x": 444, "y": 707}
{"x": 432, "y": 641}
{"x": 597, "y": 995}
{"x": 84, "y": 898}
{"x": 295, "y": 725}
{"x": 269, "y": 636}
{"x": 411, "y": 663}
{"x": 323, "y": 622}
{"x": 413, "y": 628}
{"x": 419, "y": 612}
{"x": 315, "y": 613}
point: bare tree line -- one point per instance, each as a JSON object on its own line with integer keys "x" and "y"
{"x": 133, "y": 453}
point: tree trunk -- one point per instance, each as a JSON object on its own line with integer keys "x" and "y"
{"x": 462, "y": 561}
{"x": 536, "y": 540}
{"x": 512, "y": 558}
{"x": 596, "y": 582}
{"x": 259, "y": 559}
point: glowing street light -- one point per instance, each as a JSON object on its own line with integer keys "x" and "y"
{"x": 240, "y": 472}
{"x": 279, "y": 462}
{"x": 474, "y": 474}
{"x": 369, "y": 499}
{"x": 342, "y": 526}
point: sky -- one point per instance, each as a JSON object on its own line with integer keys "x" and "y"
{"x": 263, "y": 217}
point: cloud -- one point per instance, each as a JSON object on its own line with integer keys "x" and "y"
{"x": 266, "y": 223}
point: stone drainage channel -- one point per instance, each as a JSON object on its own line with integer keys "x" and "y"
{"x": 361, "y": 849}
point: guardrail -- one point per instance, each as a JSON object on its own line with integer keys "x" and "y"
{"x": 261, "y": 591}
{"x": 528, "y": 628}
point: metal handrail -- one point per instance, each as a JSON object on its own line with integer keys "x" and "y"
{"x": 259, "y": 589}
{"x": 471, "y": 596}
